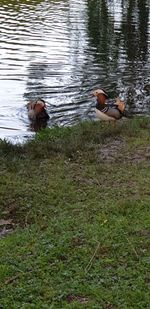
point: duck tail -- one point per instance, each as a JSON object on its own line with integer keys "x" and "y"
{"x": 120, "y": 105}
{"x": 127, "y": 114}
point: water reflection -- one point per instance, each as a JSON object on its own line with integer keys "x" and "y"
{"x": 61, "y": 50}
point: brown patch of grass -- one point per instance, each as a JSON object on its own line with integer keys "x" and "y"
{"x": 76, "y": 298}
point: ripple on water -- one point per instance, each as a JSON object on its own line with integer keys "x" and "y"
{"x": 61, "y": 50}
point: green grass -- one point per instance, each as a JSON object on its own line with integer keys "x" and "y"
{"x": 79, "y": 203}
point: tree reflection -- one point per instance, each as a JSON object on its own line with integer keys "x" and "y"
{"x": 136, "y": 34}
{"x": 35, "y": 86}
{"x": 143, "y": 27}
{"x": 119, "y": 31}
{"x": 134, "y": 26}
{"x": 99, "y": 27}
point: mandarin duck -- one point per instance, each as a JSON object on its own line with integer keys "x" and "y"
{"x": 37, "y": 114}
{"x": 108, "y": 111}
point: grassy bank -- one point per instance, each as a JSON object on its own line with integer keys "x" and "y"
{"x": 74, "y": 224}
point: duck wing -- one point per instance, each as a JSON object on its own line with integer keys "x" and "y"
{"x": 114, "y": 112}
{"x": 43, "y": 115}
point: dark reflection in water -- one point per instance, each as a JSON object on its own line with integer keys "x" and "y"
{"x": 61, "y": 50}
{"x": 121, "y": 37}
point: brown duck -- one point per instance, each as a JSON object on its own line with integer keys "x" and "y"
{"x": 37, "y": 114}
{"x": 37, "y": 110}
{"x": 108, "y": 111}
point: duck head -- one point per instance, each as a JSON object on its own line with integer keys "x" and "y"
{"x": 35, "y": 109}
{"x": 101, "y": 96}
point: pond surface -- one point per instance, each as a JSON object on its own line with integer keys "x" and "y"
{"x": 62, "y": 50}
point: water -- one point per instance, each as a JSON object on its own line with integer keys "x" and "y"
{"x": 61, "y": 50}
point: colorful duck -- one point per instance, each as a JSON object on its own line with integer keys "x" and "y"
{"x": 37, "y": 114}
{"x": 37, "y": 111}
{"x": 108, "y": 111}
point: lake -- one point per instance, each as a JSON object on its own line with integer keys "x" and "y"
{"x": 61, "y": 50}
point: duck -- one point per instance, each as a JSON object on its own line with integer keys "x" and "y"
{"x": 37, "y": 110}
{"x": 108, "y": 111}
{"x": 37, "y": 114}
